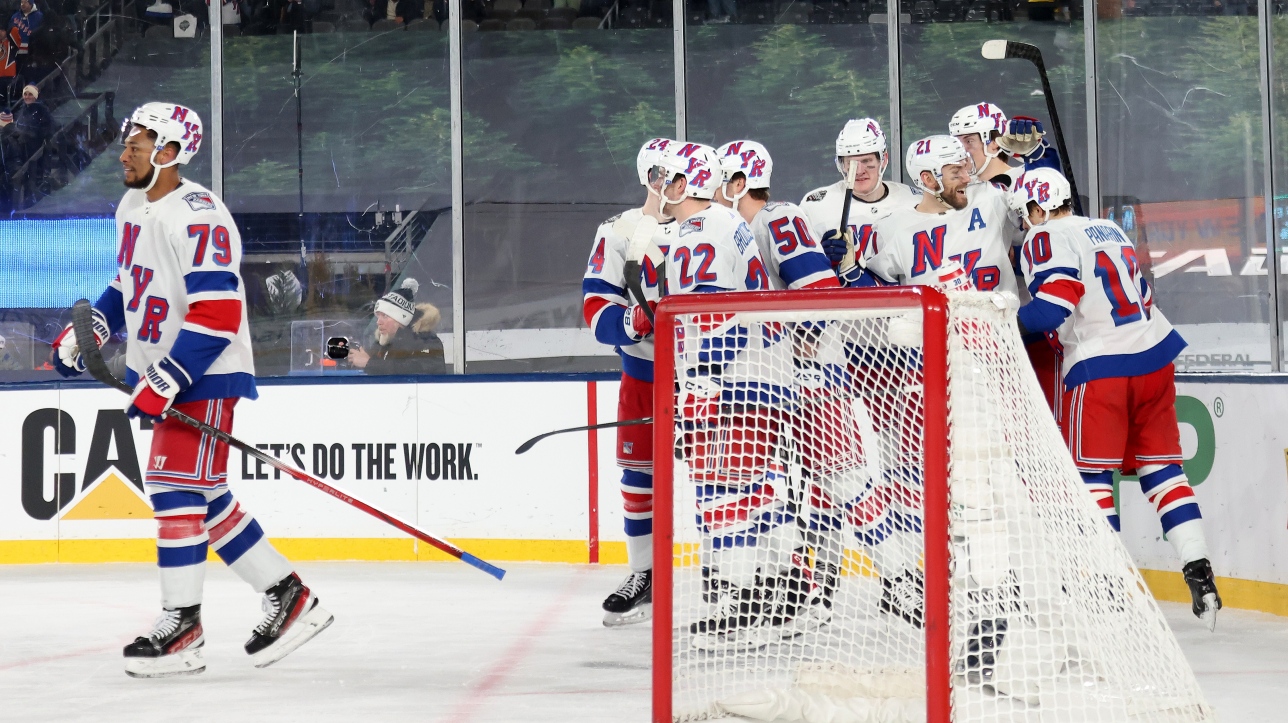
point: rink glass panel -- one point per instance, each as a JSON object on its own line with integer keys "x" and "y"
{"x": 553, "y": 120}
{"x": 1279, "y": 133}
{"x": 943, "y": 70}
{"x": 787, "y": 75}
{"x": 376, "y": 164}
{"x": 1181, "y": 168}
{"x": 59, "y": 241}
{"x": 820, "y": 428}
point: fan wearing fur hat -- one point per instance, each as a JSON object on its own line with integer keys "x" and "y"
{"x": 404, "y": 341}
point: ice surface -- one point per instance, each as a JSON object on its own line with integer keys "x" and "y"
{"x": 426, "y": 642}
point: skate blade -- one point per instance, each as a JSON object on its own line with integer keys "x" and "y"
{"x": 187, "y": 662}
{"x": 640, "y": 614}
{"x": 1209, "y": 612}
{"x": 732, "y": 643}
{"x": 305, "y": 629}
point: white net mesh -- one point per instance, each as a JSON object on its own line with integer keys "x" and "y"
{"x": 798, "y": 568}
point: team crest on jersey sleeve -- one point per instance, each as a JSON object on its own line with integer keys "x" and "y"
{"x": 690, "y": 226}
{"x": 200, "y": 201}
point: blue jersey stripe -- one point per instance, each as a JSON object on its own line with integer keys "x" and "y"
{"x": 199, "y": 281}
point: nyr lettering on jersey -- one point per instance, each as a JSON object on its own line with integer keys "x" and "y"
{"x": 141, "y": 277}
{"x": 596, "y": 263}
{"x": 928, "y": 250}
{"x": 690, "y": 226}
{"x": 743, "y": 237}
{"x": 976, "y": 220}
{"x": 129, "y": 237}
{"x": 157, "y": 309}
{"x": 985, "y": 278}
{"x": 864, "y": 234}
{"x": 200, "y": 201}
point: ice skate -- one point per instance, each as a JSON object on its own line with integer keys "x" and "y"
{"x": 172, "y": 648}
{"x": 293, "y": 618}
{"x": 736, "y": 624}
{"x": 1198, "y": 575}
{"x": 904, "y": 596}
{"x": 631, "y": 602}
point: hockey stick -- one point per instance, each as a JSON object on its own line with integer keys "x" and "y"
{"x": 606, "y": 425}
{"x": 848, "y": 260}
{"x": 83, "y": 328}
{"x": 641, "y": 245}
{"x": 1002, "y": 49}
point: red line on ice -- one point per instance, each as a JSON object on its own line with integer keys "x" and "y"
{"x": 514, "y": 655}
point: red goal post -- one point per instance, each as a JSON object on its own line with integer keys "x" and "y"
{"x": 933, "y": 307}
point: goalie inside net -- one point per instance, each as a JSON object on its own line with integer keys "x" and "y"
{"x": 798, "y": 574}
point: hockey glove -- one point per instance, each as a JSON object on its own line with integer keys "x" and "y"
{"x": 636, "y": 321}
{"x": 834, "y": 246}
{"x": 67, "y": 356}
{"x": 1023, "y": 136}
{"x": 154, "y": 394}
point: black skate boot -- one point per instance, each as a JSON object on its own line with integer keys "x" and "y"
{"x": 293, "y": 618}
{"x": 793, "y": 604}
{"x": 172, "y": 648}
{"x": 738, "y": 621}
{"x": 631, "y": 602}
{"x": 1198, "y": 575}
{"x": 829, "y": 577}
{"x": 905, "y": 596}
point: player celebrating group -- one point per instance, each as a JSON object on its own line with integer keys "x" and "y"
{"x": 861, "y": 153}
{"x": 622, "y": 321}
{"x": 180, "y": 297}
{"x": 1119, "y": 408}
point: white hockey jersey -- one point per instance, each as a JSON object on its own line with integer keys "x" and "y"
{"x": 788, "y": 245}
{"x": 605, "y": 297}
{"x": 910, "y": 246}
{"x": 1089, "y": 267}
{"x": 823, "y": 207}
{"x": 714, "y": 250}
{"x": 180, "y": 295}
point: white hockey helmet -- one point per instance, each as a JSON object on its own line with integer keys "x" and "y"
{"x": 697, "y": 163}
{"x": 748, "y": 158}
{"x": 1046, "y": 187}
{"x": 861, "y": 136}
{"x": 982, "y": 119}
{"x": 932, "y": 154}
{"x": 646, "y": 159}
{"x": 172, "y": 124}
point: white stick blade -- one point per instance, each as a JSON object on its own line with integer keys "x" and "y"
{"x": 993, "y": 49}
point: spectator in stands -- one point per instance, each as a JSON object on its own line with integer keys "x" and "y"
{"x": 23, "y": 23}
{"x": 50, "y": 44}
{"x": 400, "y": 11}
{"x": 33, "y": 123}
{"x": 404, "y": 342}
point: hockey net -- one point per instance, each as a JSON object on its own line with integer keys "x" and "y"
{"x": 870, "y": 515}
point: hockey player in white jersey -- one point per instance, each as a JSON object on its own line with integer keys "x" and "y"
{"x": 861, "y": 148}
{"x": 730, "y": 432}
{"x": 619, "y": 320}
{"x": 993, "y": 141}
{"x": 180, "y": 297}
{"x": 957, "y": 223}
{"x": 1116, "y": 348}
{"x": 784, "y": 234}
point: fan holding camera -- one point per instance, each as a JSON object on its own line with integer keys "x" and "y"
{"x": 404, "y": 341}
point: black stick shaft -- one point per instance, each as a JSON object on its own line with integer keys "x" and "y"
{"x": 606, "y": 425}
{"x": 1059, "y": 134}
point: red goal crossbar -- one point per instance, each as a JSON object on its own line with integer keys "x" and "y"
{"x": 934, "y": 308}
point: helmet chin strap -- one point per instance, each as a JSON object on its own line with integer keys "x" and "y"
{"x": 736, "y": 198}
{"x": 661, "y": 205}
{"x": 156, "y": 168}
